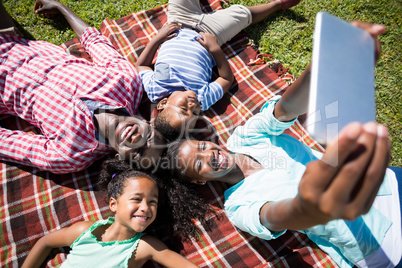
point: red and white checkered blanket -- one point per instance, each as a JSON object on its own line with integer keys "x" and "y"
{"x": 34, "y": 203}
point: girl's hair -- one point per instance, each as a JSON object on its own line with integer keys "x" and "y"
{"x": 178, "y": 203}
{"x": 115, "y": 173}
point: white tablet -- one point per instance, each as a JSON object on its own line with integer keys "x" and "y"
{"x": 342, "y": 77}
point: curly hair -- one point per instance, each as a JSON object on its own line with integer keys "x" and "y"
{"x": 170, "y": 162}
{"x": 179, "y": 203}
{"x": 186, "y": 202}
{"x": 115, "y": 173}
{"x": 186, "y": 205}
{"x": 162, "y": 125}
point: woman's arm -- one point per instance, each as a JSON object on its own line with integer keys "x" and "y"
{"x": 342, "y": 185}
{"x": 144, "y": 61}
{"x": 60, "y": 238}
{"x": 294, "y": 101}
{"x": 49, "y": 8}
{"x": 98, "y": 46}
{"x": 226, "y": 77}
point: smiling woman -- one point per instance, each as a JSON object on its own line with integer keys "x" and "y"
{"x": 204, "y": 161}
{"x": 278, "y": 183}
{"x": 267, "y": 199}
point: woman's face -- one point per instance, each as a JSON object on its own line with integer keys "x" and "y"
{"x": 204, "y": 161}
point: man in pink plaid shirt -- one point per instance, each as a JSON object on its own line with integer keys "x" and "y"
{"x": 84, "y": 110}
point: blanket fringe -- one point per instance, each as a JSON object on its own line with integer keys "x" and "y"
{"x": 275, "y": 65}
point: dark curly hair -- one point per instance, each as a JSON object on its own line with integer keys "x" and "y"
{"x": 170, "y": 164}
{"x": 179, "y": 204}
{"x": 114, "y": 175}
{"x": 162, "y": 125}
{"x": 187, "y": 203}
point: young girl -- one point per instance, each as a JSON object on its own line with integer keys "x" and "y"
{"x": 118, "y": 241}
{"x": 341, "y": 199}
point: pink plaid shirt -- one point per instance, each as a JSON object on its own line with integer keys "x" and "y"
{"x": 43, "y": 85}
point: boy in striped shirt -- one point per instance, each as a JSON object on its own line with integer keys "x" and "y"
{"x": 190, "y": 48}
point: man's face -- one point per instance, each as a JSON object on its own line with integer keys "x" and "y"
{"x": 182, "y": 109}
{"x": 136, "y": 141}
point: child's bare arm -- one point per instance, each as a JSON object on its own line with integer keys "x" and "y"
{"x": 60, "y": 238}
{"x": 144, "y": 61}
{"x": 343, "y": 185}
{"x": 294, "y": 101}
{"x": 151, "y": 248}
{"x": 226, "y": 77}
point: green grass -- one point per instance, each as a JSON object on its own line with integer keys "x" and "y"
{"x": 287, "y": 35}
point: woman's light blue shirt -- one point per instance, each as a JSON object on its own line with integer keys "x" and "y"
{"x": 284, "y": 159}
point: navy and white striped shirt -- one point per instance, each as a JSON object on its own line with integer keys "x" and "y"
{"x": 183, "y": 64}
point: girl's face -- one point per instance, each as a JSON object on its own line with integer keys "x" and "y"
{"x": 136, "y": 208}
{"x": 204, "y": 161}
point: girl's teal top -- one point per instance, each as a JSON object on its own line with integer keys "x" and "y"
{"x": 87, "y": 251}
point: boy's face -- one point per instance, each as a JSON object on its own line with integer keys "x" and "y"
{"x": 183, "y": 109}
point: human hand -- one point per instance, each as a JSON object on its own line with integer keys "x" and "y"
{"x": 47, "y": 8}
{"x": 208, "y": 41}
{"x": 344, "y": 183}
{"x": 168, "y": 32}
{"x": 375, "y": 30}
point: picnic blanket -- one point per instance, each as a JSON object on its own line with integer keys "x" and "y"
{"x": 34, "y": 202}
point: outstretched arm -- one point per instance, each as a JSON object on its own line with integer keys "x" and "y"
{"x": 151, "y": 248}
{"x": 342, "y": 185}
{"x": 294, "y": 101}
{"x": 226, "y": 77}
{"x": 98, "y": 46}
{"x": 144, "y": 61}
{"x": 49, "y": 8}
{"x": 38, "y": 151}
{"x": 60, "y": 238}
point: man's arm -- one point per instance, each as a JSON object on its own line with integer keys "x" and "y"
{"x": 99, "y": 47}
{"x": 36, "y": 151}
{"x": 48, "y": 8}
{"x": 144, "y": 61}
{"x": 342, "y": 185}
{"x": 60, "y": 238}
{"x": 226, "y": 77}
{"x": 294, "y": 101}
